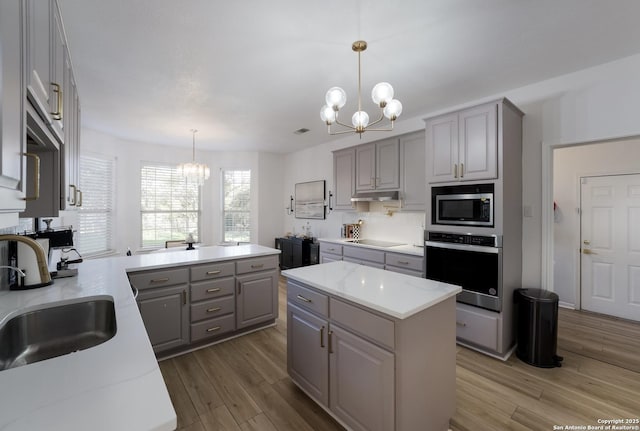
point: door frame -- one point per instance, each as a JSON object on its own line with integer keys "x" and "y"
{"x": 547, "y": 243}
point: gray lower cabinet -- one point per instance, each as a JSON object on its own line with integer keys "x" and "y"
{"x": 368, "y": 370}
{"x": 255, "y": 298}
{"x": 165, "y": 314}
{"x": 362, "y": 382}
{"x": 194, "y": 305}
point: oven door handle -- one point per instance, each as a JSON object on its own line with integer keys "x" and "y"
{"x": 463, "y": 247}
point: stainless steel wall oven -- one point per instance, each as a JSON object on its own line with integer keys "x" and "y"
{"x": 471, "y": 261}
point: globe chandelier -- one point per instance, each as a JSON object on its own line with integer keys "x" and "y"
{"x": 382, "y": 95}
{"x": 193, "y": 171}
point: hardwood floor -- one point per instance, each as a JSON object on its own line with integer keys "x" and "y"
{"x": 242, "y": 384}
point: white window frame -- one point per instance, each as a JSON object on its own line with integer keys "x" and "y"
{"x": 109, "y": 230}
{"x": 223, "y": 211}
{"x": 174, "y": 235}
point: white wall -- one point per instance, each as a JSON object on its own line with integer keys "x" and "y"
{"x": 129, "y": 157}
{"x": 594, "y": 104}
{"x": 569, "y": 164}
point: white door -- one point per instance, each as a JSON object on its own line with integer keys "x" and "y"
{"x": 610, "y": 245}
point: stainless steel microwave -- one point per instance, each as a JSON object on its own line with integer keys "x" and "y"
{"x": 463, "y": 205}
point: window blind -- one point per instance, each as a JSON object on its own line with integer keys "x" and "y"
{"x": 236, "y": 211}
{"x": 95, "y": 216}
{"x": 170, "y": 205}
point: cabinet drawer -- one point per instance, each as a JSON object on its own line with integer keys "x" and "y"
{"x": 364, "y": 254}
{"x": 477, "y": 327}
{"x": 213, "y": 327}
{"x": 404, "y": 271}
{"x": 404, "y": 261}
{"x": 363, "y": 322}
{"x": 307, "y": 298}
{"x": 212, "y": 289}
{"x": 256, "y": 264}
{"x": 364, "y": 262}
{"x": 153, "y": 279}
{"x": 212, "y": 270}
{"x": 331, "y": 248}
{"x": 213, "y": 308}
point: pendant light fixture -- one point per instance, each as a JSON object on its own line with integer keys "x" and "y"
{"x": 382, "y": 95}
{"x": 192, "y": 171}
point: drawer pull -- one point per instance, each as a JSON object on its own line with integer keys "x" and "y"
{"x": 184, "y": 297}
{"x": 330, "y": 334}
{"x": 322, "y": 337}
{"x": 331, "y": 249}
{"x": 402, "y": 262}
{"x": 257, "y": 266}
{"x": 159, "y": 280}
{"x": 213, "y": 289}
{"x": 214, "y": 329}
{"x": 463, "y": 324}
{"x": 302, "y": 298}
{"x": 213, "y": 272}
{"x": 211, "y": 310}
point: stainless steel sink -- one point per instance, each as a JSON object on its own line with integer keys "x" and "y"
{"x": 55, "y": 331}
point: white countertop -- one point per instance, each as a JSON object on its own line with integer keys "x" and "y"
{"x": 405, "y": 248}
{"x": 391, "y": 293}
{"x": 116, "y": 385}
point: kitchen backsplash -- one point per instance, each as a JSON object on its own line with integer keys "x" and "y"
{"x": 405, "y": 227}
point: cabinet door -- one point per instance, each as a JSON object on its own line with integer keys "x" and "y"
{"x": 307, "y": 358}
{"x": 12, "y": 111}
{"x": 344, "y": 163}
{"x": 387, "y": 173}
{"x": 478, "y": 135}
{"x": 69, "y": 188}
{"x": 442, "y": 148}
{"x": 39, "y": 14}
{"x": 287, "y": 253}
{"x": 58, "y": 89}
{"x": 365, "y": 167}
{"x": 361, "y": 382}
{"x": 414, "y": 180}
{"x": 256, "y": 298}
{"x": 165, "y": 314}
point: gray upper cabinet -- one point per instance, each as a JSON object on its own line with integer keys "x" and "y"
{"x": 39, "y": 71}
{"x": 71, "y": 195}
{"x": 344, "y": 165}
{"x": 412, "y": 168}
{"x": 378, "y": 166}
{"x": 12, "y": 113}
{"x": 463, "y": 146}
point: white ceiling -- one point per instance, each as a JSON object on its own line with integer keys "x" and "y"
{"x": 249, "y": 73}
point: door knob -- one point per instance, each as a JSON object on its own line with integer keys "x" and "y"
{"x": 587, "y": 251}
{"x": 586, "y": 242}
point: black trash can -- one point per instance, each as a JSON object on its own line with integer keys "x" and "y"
{"x": 537, "y": 327}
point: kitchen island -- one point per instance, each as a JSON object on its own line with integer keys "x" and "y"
{"x": 116, "y": 385}
{"x": 374, "y": 348}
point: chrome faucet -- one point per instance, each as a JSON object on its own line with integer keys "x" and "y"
{"x": 41, "y": 258}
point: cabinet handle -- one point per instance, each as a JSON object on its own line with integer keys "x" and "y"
{"x": 72, "y": 195}
{"x": 402, "y": 262}
{"x": 214, "y": 329}
{"x": 461, "y": 170}
{"x": 184, "y": 297}
{"x": 463, "y": 324}
{"x": 322, "y": 337}
{"x": 57, "y": 115}
{"x": 214, "y": 309}
{"x": 455, "y": 170}
{"x": 330, "y": 334}
{"x": 257, "y": 266}
{"x": 213, "y": 272}
{"x": 302, "y": 298}
{"x": 159, "y": 280}
{"x": 36, "y": 177}
{"x": 239, "y": 288}
{"x": 79, "y": 198}
{"x": 213, "y": 289}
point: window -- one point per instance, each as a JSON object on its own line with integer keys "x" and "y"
{"x": 236, "y": 207}
{"x": 170, "y": 205}
{"x": 95, "y": 216}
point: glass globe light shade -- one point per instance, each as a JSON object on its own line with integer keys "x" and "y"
{"x": 393, "y": 109}
{"x": 382, "y": 94}
{"x": 360, "y": 120}
{"x": 336, "y": 97}
{"x": 327, "y": 114}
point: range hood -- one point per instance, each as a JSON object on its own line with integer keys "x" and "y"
{"x": 380, "y": 196}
